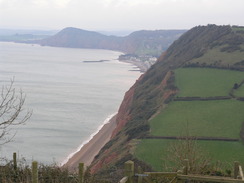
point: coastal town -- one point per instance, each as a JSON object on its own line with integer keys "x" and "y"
{"x": 142, "y": 62}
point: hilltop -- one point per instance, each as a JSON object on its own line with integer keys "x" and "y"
{"x": 217, "y": 52}
{"x": 139, "y": 42}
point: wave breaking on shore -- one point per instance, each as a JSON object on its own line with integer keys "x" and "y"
{"x": 106, "y": 121}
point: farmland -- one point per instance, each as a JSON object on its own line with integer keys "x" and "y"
{"x": 211, "y": 118}
{"x": 221, "y": 118}
{"x": 216, "y": 56}
{"x": 205, "y": 82}
{"x": 155, "y": 152}
{"x": 240, "y": 91}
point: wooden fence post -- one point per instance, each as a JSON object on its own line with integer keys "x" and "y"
{"x": 129, "y": 171}
{"x": 186, "y": 167}
{"x": 140, "y": 171}
{"x": 179, "y": 172}
{"x": 241, "y": 173}
{"x": 236, "y": 169}
{"x": 15, "y": 175}
{"x": 34, "y": 172}
{"x": 81, "y": 172}
{"x": 15, "y": 161}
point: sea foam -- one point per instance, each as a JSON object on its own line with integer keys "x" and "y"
{"x": 106, "y": 121}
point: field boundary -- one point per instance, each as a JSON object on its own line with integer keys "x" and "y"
{"x": 202, "y": 98}
{"x": 180, "y": 176}
{"x": 193, "y": 138}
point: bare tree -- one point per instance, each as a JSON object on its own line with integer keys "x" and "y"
{"x": 177, "y": 152}
{"x": 187, "y": 148}
{"x": 11, "y": 111}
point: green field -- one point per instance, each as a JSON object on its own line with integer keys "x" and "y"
{"x": 237, "y": 28}
{"x": 221, "y": 58}
{"x": 205, "y": 82}
{"x": 152, "y": 151}
{"x": 215, "y": 118}
{"x": 155, "y": 151}
{"x": 222, "y": 118}
{"x": 239, "y": 92}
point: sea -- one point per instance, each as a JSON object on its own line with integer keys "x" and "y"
{"x": 72, "y": 93}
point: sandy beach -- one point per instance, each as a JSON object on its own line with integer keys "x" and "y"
{"x": 87, "y": 153}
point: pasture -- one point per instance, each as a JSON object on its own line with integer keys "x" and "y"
{"x": 221, "y": 118}
{"x": 213, "y": 118}
{"x": 206, "y": 82}
{"x": 240, "y": 91}
{"x": 156, "y": 152}
{"x": 221, "y": 58}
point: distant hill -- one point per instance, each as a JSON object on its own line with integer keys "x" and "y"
{"x": 139, "y": 42}
{"x": 201, "y": 71}
{"x": 10, "y": 32}
{"x": 22, "y": 38}
{"x": 22, "y": 35}
{"x": 78, "y": 38}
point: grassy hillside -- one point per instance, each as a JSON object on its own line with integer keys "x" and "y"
{"x": 240, "y": 91}
{"x": 219, "y": 56}
{"x": 214, "y": 118}
{"x": 156, "y": 152}
{"x": 227, "y": 52}
{"x": 150, "y": 107}
{"x": 205, "y": 82}
{"x": 222, "y": 118}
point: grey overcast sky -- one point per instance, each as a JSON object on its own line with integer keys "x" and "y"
{"x": 119, "y": 14}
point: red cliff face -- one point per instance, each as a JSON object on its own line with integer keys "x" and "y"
{"x": 114, "y": 153}
{"x": 122, "y": 118}
{"x": 103, "y": 162}
{"x": 123, "y": 115}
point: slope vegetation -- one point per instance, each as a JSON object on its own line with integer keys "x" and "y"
{"x": 216, "y": 122}
{"x": 150, "y": 107}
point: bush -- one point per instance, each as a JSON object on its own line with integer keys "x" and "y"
{"x": 138, "y": 131}
{"x": 187, "y": 149}
{"x": 46, "y": 173}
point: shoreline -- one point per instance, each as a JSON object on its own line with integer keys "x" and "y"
{"x": 138, "y": 64}
{"x": 89, "y": 150}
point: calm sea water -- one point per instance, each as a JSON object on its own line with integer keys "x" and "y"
{"x": 70, "y": 98}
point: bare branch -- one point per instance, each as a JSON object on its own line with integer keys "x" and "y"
{"x": 187, "y": 148}
{"x": 11, "y": 110}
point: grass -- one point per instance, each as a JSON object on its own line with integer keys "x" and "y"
{"x": 226, "y": 152}
{"x": 238, "y": 28}
{"x": 218, "y": 118}
{"x": 223, "y": 58}
{"x": 152, "y": 151}
{"x": 206, "y": 82}
{"x": 239, "y": 92}
{"x": 155, "y": 152}
{"x": 221, "y": 118}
